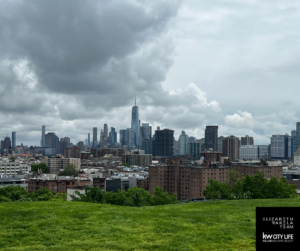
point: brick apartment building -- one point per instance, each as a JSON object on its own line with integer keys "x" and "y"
{"x": 99, "y": 182}
{"x": 189, "y": 181}
{"x": 58, "y": 186}
{"x": 212, "y": 156}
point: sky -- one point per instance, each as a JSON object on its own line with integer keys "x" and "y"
{"x": 73, "y": 65}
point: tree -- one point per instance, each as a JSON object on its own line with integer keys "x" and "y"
{"x": 44, "y": 194}
{"x": 13, "y": 193}
{"x": 42, "y": 166}
{"x": 69, "y": 171}
{"x": 250, "y": 187}
{"x": 91, "y": 194}
{"x": 162, "y": 198}
{"x": 13, "y": 159}
{"x": 139, "y": 196}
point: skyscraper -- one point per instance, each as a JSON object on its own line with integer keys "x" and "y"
{"x": 211, "y": 138}
{"x": 135, "y": 123}
{"x": 64, "y": 143}
{"x": 52, "y": 142}
{"x": 294, "y": 141}
{"x": 122, "y": 137}
{"x": 105, "y": 132}
{"x": 89, "y": 139}
{"x": 43, "y": 142}
{"x": 13, "y": 137}
{"x": 130, "y": 138}
{"x": 281, "y": 146}
{"x": 194, "y": 149}
{"x": 113, "y": 136}
{"x": 145, "y": 133}
{"x": 102, "y": 139}
{"x": 183, "y": 143}
{"x": 163, "y": 143}
{"x": 94, "y": 145}
{"x": 231, "y": 147}
{"x": 298, "y": 134}
{"x": 247, "y": 140}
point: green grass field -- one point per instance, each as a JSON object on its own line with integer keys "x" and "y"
{"x": 215, "y": 225}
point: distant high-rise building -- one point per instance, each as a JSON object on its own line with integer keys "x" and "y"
{"x": 43, "y": 141}
{"x": 80, "y": 144}
{"x": 105, "y": 132}
{"x": 298, "y": 134}
{"x": 6, "y": 143}
{"x": 130, "y": 138}
{"x": 135, "y": 123}
{"x": 211, "y": 138}
{"x": 64, "y": 143}
{"x": 163, "y": 144}
{"x": 94, "y": 144}
{"x": 231, "y": 147}
{"x": 194, "y": 149}
{"x": 192, "y": 139}
{"x": 147, "y": 146}
{"x": 183, "y": 143}
{"x": 102, "y": 138}
{"x": 89, "y": 140}
{"x": 52, "y": 142}
{"x": 281, "y": 146}
{"x": 13, "y": 137}
{"x": 247, "y": 140}
{"x": 294, "y": 141}
{"x": 113, "y": 136}
{"x": 220, "y": 143}
{"x": 145, "y": 133}
{"x": 202, "y": 143}
{"x": 122, "y": 137}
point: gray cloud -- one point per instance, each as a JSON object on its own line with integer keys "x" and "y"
{"x": 73, "y": 65}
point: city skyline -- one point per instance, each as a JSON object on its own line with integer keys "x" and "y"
{"x": 190, "y": 63}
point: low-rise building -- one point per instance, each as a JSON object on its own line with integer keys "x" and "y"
{"x": 12, "y": 168}
{"x": 138, "y": 181}
{"x": 58, "y": 186}
{"x": 115, "y": 184}
{"x": 12, "y": 181}
{"x": 99, "y": 182}
{"x": 297, "y": 157}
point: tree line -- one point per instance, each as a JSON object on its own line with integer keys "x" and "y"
{"x": 135, "y": 197}
{"x": 250, "y": 187}
{"x": 18, "y": 193}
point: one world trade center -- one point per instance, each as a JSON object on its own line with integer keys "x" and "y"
{"x": 135, "y": 123}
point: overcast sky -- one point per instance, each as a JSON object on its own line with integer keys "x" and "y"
{"x": 73, "y": 65}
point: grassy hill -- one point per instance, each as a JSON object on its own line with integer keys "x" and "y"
{"x": 215, "y": 225}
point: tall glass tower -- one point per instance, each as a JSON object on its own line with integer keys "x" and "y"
{"x": 13, "y": 137}
{"x": 94, "y": 137}
{"x": 43, "y": 141}
{"x": 135, "y": 124}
